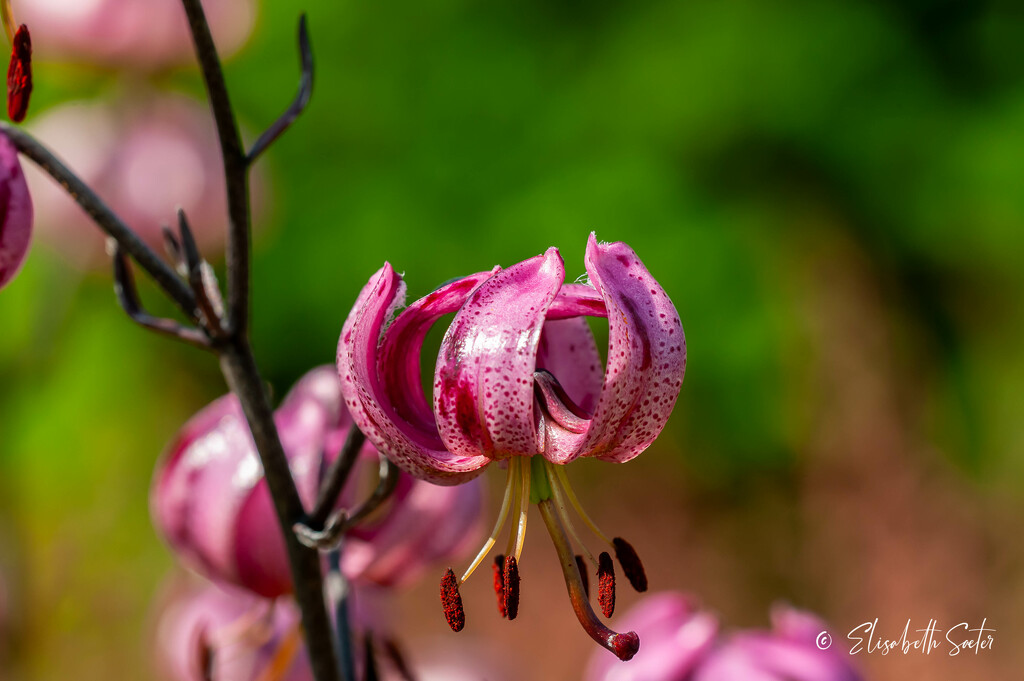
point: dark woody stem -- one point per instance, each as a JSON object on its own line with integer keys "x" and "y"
{"x": 239, "y": 368}
{"x": 239, "y": 365}
{"x": 623, "y": 646}
{"x": 236, "y": 168}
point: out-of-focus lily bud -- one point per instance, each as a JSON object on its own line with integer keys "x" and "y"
{"x": 212, "y": 504}
{"x": 145, "y": 158}
{"x": 131, "y": 34}
{"x": 15, "y": 213}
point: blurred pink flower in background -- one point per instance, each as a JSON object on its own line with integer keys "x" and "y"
{"x": 789, "y": 652}
{"x": 212, "y": 505}
{"x": 144, "y": 156}
{"x": 15, "y": 213}
{"x": 681, "y": 643}
{"x": 675, "y": 637}
{"x": 223, "y": 633}
{"x": 130, "y": 34}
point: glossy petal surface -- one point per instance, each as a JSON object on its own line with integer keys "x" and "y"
{"x": 483, "y": 383}
{"x": 412, "y": 443}
{"x": 646, "y": 354}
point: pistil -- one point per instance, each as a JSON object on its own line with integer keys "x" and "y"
{"x": 624, "y": 646}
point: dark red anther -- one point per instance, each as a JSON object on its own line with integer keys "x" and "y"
{"x": 606, "y": 583}
{"x": 631, "y": 565}
{"x": 499, "y": 583}
{"x": 451, "y": 601}
{"x": 19, "y": 75}
{"x": 584, "y": 577}
{"x": 511, "y": 579}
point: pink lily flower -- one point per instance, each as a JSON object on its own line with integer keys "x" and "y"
{"x": 789, "y": 652}
{"x": 677, "y": 637}
{"x": 519, "y": 381}
{"x": 15, "y": 213}
{"x": 135, "y": 34}
{"x": 223, "y": 633}
{"x": 212, "y": 504}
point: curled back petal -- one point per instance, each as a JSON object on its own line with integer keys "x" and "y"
{"x": 568, "y": 350}
{"x": 411, "y": 444}
{"x": 483, "y": 383}
{"x": 402, "y": 346}
{"x": 646, "y": 354}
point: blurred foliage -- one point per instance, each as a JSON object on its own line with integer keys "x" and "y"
{"x": 728, "y": 142}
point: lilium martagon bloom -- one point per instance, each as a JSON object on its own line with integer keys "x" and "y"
{"x": 519, "y": 382}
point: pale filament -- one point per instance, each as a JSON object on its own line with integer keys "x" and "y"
{"x": 506, "y": 504}
{"x": 560, "y": 472}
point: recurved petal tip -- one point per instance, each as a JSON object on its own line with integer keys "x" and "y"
{"x": 646, "y": 354}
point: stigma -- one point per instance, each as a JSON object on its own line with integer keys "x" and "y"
{"x": 532, "y": 480}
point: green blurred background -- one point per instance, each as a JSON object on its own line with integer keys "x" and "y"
{"x": 829, "y": 192}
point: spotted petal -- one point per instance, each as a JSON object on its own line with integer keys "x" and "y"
{"x": 483, "y": 383}
{"x": 399, "y": 426}
{"x": 646, "y": 354}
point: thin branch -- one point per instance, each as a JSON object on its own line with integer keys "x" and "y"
{"x": 337, "y": 476}
{"x": 236, "y": 165}
{"x": 105, "y": 218}
{"x": 243, "y": 377}
{"x": 198, "y": 278}
{"x": 301, "y": 98}
{"x": 128, "y": 297}
{"x": 342, "y": 520}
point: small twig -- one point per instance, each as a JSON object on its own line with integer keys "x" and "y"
{"x": 298, "y": 104}
{"x": 236, "y": 167}
{"x": 337, "y": 476}
{"x": 198, "y": 273}
{"x": 128, "y": 297}
{"x": 334, "y": 529}
{"x": 173, "y": 249}
{"x": 105, "y": 218}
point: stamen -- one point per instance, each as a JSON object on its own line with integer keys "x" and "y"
{"x": 558, "y": 404}
{"x": 7, "y": 16}
{"x": 506, "y": 504}
{"x": 606, "y": 584}
{"x": 511, "y": 584}
{"x": 624, "y": 646}
{"x": 499, "y": 583}
{"x": 517, "y": 536}
{"x": 584, "y": 575}
{"x": 563, "y": 511}
{"x": 631, "y": 565}
{"x": 451, "y": 601}
{"x": 19, "y": 75}
{"x": 563, "y": 478}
